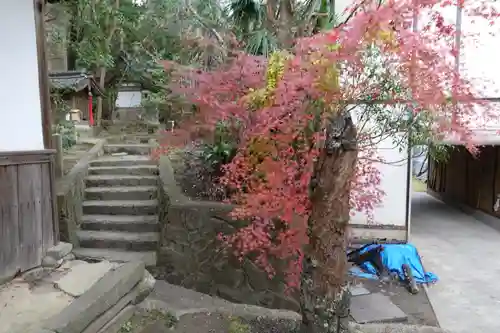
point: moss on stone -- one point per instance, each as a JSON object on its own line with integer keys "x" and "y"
{"x": 143, "y": 319}
{"x": 237, "y": 326}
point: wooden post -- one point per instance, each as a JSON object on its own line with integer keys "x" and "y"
{"x": 43, "y": 75}
{"x": 57, "y": 144}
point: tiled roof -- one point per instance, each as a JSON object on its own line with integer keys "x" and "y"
{"x": 73, "y": 80}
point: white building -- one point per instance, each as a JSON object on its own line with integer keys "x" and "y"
{"x": 27, "y": 205}
{"x": 476, "y": 61}
{"x": 129, "y": 103}
{"x": 392, "y": 217}
{"x": 473, "y": 182}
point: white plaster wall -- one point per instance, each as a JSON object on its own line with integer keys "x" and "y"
{"x": 393, "y": 171}
{"x": 340, "y": 7}
{"x": 478, "y": 63}
{"x": 390, "y": 217}
{"x": 479, "y": 59}
{"x": 21, "y": 125}
{"x": 129, "y": 99}
{"x": 480, "y": 52}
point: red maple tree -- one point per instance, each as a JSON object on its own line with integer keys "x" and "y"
{"x": 302, "y": 166}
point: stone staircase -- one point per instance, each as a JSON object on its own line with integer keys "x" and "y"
{"x": 120, "y": 221}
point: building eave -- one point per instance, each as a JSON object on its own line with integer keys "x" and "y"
{"x": 479, "y": 137}
{"x": 75, "y": 81}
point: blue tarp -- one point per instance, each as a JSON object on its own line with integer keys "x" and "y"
{"x": 393, "y": 257}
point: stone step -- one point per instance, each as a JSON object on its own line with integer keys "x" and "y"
{"x": 124, "y": 170}
{"x": 122, "y": 160}
{"x": 120, "y": 207}
{"x": 129, "y": 139}
{"x": 72, "y": 158}
{"x": 130, "y": 241}
{"x": 132, "y": 149}
{"x": 121, "y": 193}
{"x": 375, "y": 308}
{"x": 149, "y": 258}
{"x": 78, "y": 151}
{"x": 131, "y": 223}
{"x": 98, "y": 304}
{"x": 121, "y": 180}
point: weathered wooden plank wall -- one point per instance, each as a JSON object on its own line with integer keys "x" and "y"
{"x": 27, "y": 224}
{"x": 470, "y": 180}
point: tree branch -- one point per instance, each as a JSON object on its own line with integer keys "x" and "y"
{"x": 352, "y": 13}
{"x": 200, "y": 19}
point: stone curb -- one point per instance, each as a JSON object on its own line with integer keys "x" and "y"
{"x": 104, "y": 302}
{"x": 64, "y": 184}
{"x": 73, "y": 182}
{"x": 154, "y": 145}
{"x": 394, "y": 328}
{"x": 57, "y": 254}
{"x": 257, "y": 317}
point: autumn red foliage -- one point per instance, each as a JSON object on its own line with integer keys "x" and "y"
{"x": 276, "y": 187}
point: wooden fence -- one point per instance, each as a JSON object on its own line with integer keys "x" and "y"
{"x": 470, "y": 180}
{"x": 28, "y": 223}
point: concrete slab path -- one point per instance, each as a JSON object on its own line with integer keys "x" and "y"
{"x": 465, "y": 254}
{"x": 43, "y": 292}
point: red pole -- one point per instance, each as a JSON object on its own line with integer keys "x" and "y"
{"x": 91, "y": 115}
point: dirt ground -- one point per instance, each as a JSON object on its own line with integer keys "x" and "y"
{"x": 41, "y": 293}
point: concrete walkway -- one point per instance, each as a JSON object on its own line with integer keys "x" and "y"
{"x": 465, "y": 254}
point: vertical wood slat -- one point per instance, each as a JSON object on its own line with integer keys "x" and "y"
{"x": 471, "y": 180}
{"x": 495, "y": 179}
{"x": 442, "y": 177}
{"x": 486, "y": 177}
{"x": 450, "y": 174}
{"x": 9, "y": 223}
{"x": 496, "y": 184}
{"x": 47, "y": 211}
{"x": 27, "y": 224}
{"x": 30, "y": 211}
{"x": 473, "y": 170}
{"x": 58, "y": 146}
{"x": 456, "y": 175}
{"x": 53, "y": 200}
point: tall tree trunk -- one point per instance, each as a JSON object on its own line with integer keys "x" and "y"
{"x": 324, "y": 295}
{"x": 102, "y": 71}
{"x": 74, "y": 37}
{"x": 102, "y": 83}
{"x": 72, "y": 53}
{"x": 322, "y": 16}
{"x": 284, "y": 24}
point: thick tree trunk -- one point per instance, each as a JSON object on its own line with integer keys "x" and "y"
{"x": 74, "y": 38}
{"x": 102, "y": 70}
{"x": 324, "y": 294}
{"x": 72, "y": 54}
{"x": 102, "y": 83}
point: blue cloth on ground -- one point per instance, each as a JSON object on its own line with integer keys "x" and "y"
{"x": 393, "y": 257}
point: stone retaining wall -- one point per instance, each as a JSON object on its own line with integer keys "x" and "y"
{"x": 70, "y": 191}
{"x": 190, "y": 255}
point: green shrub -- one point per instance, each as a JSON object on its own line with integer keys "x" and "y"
{"x": 68, "y": 133}
{"x": 223, "y": 148}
